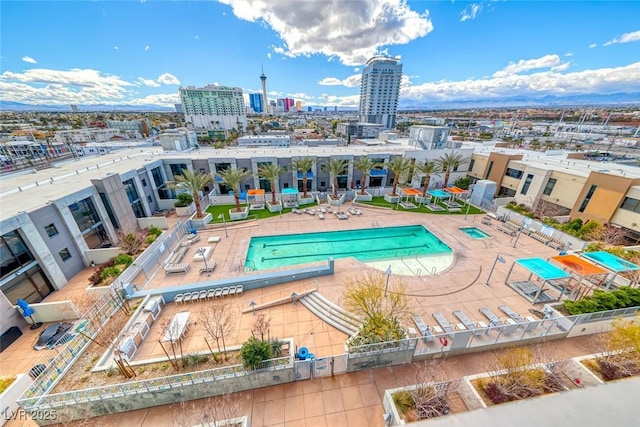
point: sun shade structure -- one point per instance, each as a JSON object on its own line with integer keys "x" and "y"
{"x": 456, "y": 191}
{"x": 256, "y": 198}
{"x": 581, "y": 269}
{"x": 611, "y": 262}
{"x": 439, "y": 194}
{"x": 290, "y": 197}
{"x": 542, "y": 269}
{"x": 411, "y": 192}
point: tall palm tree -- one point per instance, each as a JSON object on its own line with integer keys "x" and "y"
{"x": 271, "y": 172}
{"x": 448, "y": 163}
{"x": 193, "y": 182}
{"x": 400, "y": 167}
{"x": 365, "y": 165}
{"x": 232, "y": 178}
{"x": 549, "y": 145}
{"x": 427, "y": 169}
{"x": 562, "y": 145}
{"x": 335, "y": 167}
{"x": 534, "y": 144}
{"x": 303, "y": 165}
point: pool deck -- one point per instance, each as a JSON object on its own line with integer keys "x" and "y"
{"x": 450, "y": 289}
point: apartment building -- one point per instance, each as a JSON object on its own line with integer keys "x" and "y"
{"x": 564, "y": 185}
{"x": 213, "y": 107}
{"x": 379, "y": 91}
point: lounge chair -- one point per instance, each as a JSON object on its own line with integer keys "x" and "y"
{"x": 493, "y": 319}
{"x": 512, "y": 314}
{"x": 329, "y": 210}
{"x": 423, "y": 328}
{"x": 320, "y": 215}
{"x": 187, "y": 297}
{"x": 444, "y": 323}
{"x": 466, "y": 322}
{"x": 225, "y": 291}
{"x": 179, "y": 298}
{"x": 218, "y": 292}
{"x": 239, "y": 289}
{"x": 211, "y": 293}
{"x": 323, "y": 211}
{"x": 202, "y": 295}
{"x": 352, "y": 211}
{"x": 232, "y": 290}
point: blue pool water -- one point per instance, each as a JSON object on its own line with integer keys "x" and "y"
{"x": 365, "y": 245}
{"x": 474, "y": 232}
{"x": 542, "y": 268}
{"x": 610, "y": 261}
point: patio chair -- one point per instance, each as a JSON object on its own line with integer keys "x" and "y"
{"x": 232, "y": 290}
{"x": 225, "y": 291}
{"x": 211, "y": 293}
{"x": 239, "y": 289}
{"x": 218, "y": 293}
{"x": 187, "y": 297}
{"x": 202, "y": 295}
{"x": 179, "y": 298}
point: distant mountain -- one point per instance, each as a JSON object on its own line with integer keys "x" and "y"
{"x": 17, "y": 106}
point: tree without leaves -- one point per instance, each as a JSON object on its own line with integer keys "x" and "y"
{"x": 131, "y": 241}
{"x": 193, "y": 182}
{"x": 271, "y": 172}
{"x": 232, "y": 179}
{"x": 217, "y": 321}
{"x": 213, "y": 411}
{"x": 261, "y": 326}
{"x": 431, "y": 391}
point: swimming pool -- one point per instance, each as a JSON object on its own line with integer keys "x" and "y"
{"x": 474, "y": 232}
{"x": 363, "y": 244}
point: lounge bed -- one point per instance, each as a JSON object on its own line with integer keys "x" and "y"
{"x": 423, "y": 328}
{"x": 176, "y": 268}
{"x": 512, "y": 314}
{"x": 443, "y": 322}
{"x": 468, "y": 323}
{"x": 493, "y": 319}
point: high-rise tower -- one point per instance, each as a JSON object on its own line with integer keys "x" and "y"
{"x": 263, "y": 79}
{"x": 379, "y": 91}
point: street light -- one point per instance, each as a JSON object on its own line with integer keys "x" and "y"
{"x": 204, "y": 259}
{"x": 518, "y": 236}
{"x": 224, "y": 224}
{"x": 388, "y": 273}
{"x": 498, "y": 259}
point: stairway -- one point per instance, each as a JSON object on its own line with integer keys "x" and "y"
{"x": 331, "y": 313}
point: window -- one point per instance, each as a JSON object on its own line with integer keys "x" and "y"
{"x": 527, "y": 183}
{"x": 549, "y": 187}
{"x": 64, "y": 254}
{"x": 471, "y": 163}
{"x": 513, "y": 173}
{"x": 51, "y": 230}
{"x": 486, "y": 176}
{"x": 149, "y": 199}
{"x": 144, "y": 182}
{"x": 630, "y": 204}
{"x": 586, "y": 200}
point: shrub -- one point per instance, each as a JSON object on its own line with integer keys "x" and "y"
{"x": 123, "y": 259}
{"x": 113, "y": 271}
{"x": 5, "y": 382}
{"x": 622, "y": 297}
{"x": 154, "y": 231}
{"x": 254, "y": 351}
{"x": 183, "y": 200}
{"x": 403, "y": 401}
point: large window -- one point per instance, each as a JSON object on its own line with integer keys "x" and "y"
{"x": 13, "y": 253}
{"x": 630, "y": 204}
{"x": 514, "y": 173}
{"x": 134, "y": 198}
{"x": 587, "y": 198}
{"x": 527, "y": 184}
{"x": 548, "y": 189}
{"x": 90, "y": 224}
{"x": 471, "y": 163}
{"x": 486, "y": 175}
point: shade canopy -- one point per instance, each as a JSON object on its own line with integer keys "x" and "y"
{"x": 542, "y": 268}
{"x": 456, "y": 190}
{"x": 289, "y": 191}
{"x": 610, "y": 262}
{"x": 411, "y": 192}
{"x": 578, "y": 265}
{"x": 439, "y": 194}
{"x": 256, "y": 192}
{"x": 378, "y": 172}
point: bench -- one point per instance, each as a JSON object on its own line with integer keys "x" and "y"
{"x": 211, "y": 265}
{"x": 193, "y": 238}
{"x": 508, "y": 229}
{"x": 177, "y": 256}
{"x": 176, "y": 268}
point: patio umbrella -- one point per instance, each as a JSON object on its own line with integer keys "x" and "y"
{"x": 28, "y": 312}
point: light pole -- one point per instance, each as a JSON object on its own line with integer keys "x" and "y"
{"x": 517, "y": 236}
{"x": 467, "y": 212}
{"x": 224, "y": 224}
{"x": 204, "y": 259}
{"x": 386, "y": 286}
{"x": 498, "y": 259}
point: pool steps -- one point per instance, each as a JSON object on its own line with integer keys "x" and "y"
{"x": 331, "y": 313}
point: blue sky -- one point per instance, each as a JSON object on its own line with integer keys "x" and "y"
{"x": 141, "y": 52}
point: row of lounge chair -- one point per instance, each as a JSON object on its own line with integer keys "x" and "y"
{"x": 444, "y": 327}
{"x": 511, "y": 227}
{"x": 208, "y": 294}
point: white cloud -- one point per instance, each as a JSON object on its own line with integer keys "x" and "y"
{"x": 351, "y": 81}
{"x": 196, "y": 37}
{"x": 353, "y": 31}
{"x": 470, "y": 12}
{"x": 625, "y": 38}
{"x": 269, "y": 55}
{"x": 299, "y": 96}
{"x": 116, "y": 48}
{"x": 592, "y": 45}
{"x": 29, "y": 59}
{"x": 146, "y": 48}
{"x": 356, "y": 69}
{"x": 547, "y": 61}
{"x": 340, "y": 101}
{"x": 624, "y": 79}
{"x": 168, "y": 79}
{"x": 274, "y": 93}
{"x": 162, "y": 99}
{"x": 148, "y": 82}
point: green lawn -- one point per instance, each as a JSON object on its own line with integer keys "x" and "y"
{"x": 216, "y": 210}
{"x": 380, "y": 201}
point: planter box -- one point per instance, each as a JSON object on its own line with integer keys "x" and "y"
{"x": 96, "y": 292}
{"x": 10, "y": 395}
{"x": 274, "y": 208}
{"x": 366, "y": 197}
{"x": 306, "y": 201}
{"x": 390, "y": 407}
{"x": 423, "y": 200}
{"x": 186, "y": 210}
{"x": 236, "y": 216}
{"x": 201, "y": 222}
{"x": 391, "y": 199}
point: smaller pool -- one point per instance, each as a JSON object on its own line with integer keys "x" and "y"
{"x": 474, "y": 232}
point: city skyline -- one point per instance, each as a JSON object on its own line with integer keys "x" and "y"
{"x": 141, "y": 52}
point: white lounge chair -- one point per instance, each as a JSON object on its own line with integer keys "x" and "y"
{"x": 211, "y": 293}
{"x": 179, "y": 298}
{"x": 225, "y": 291}
{"x": 202, "y": 295}
{"x": 239, "y": 289}
{"x": 218, "y": 292}
{"x": 232, "y": 290}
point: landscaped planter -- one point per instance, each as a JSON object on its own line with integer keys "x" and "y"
{"x": 8, "y": 398}
{"x": 274, "y": 208}
{"x": 201, "y": 222}
{"x": 186, "y": 210}
{"x": 451, "y": 400}
{"x": 335, "y": 202}
{"x": 306, "y": 200}
{"x": 366, "y": 197}
{"x": 391, "y": 199}
{"x": 236, "y": 216}
{"x": 423, "y": 200}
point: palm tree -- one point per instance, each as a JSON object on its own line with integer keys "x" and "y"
{"x": 271, "y": 172}
{"x": 427, "y": 169}
{"x": 232, "y": 178}
{"x": 549, "y": 145}
{"x": 303, "y": 165}
{"x": 562, "y": 145}
{"x": 534, "y": 144}
{"x": 365, "y": 165}
{"x": 449, "y": 163}
{"x": 400, "y": 167}
{"x": 193, "y": 182}
{"x": 335, "y": 167}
